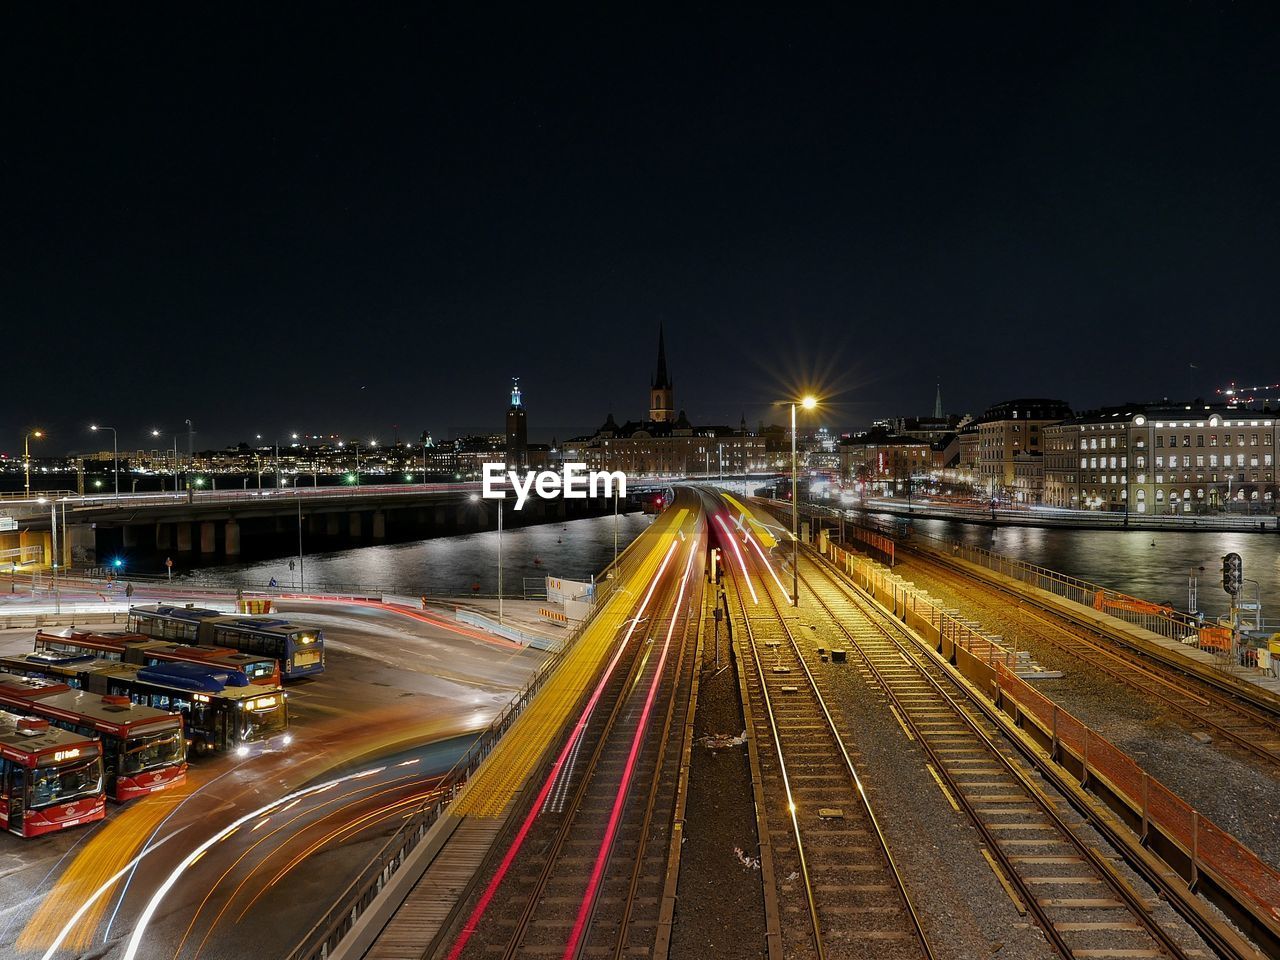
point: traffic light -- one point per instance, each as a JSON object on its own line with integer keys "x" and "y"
{"x": 1232, "y": 573}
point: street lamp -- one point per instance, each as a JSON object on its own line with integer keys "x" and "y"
{"x": 26, "y": 459}
{"x": 808, "y": 402}
{"x": 115, "y": 452}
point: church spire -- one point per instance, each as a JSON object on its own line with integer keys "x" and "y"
{"x": 937, "y": 404}
{"x": 662, "y": 395}
{"x": 660, "y": 380}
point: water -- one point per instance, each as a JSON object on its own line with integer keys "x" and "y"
{"x": 1150, "y": 565}
{"x": 450, "y": 566}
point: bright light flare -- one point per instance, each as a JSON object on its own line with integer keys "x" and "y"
{"x": 809, "y": 402}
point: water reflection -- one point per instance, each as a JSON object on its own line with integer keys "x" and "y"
{"x": 451, "y": 565}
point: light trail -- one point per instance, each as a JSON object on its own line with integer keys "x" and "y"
{"x": 84, "y": 907}
{"x": 422, "y": 617}
{"x": 733, "y": 541}
{"x": 619, "y": 800}
{"x": 144, "y": 919}
{"x": 765, "y": 560}
{"x": 491, "y": 889}
{"x": 386, "y": 787}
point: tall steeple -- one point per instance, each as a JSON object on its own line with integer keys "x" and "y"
{"x": 660, "y": 379}
{"x": 517, "y": 429}
{"x": 937, "y": 404}
{"x": 662, "y": 399}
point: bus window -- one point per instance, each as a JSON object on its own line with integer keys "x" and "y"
{"x": 63, "y": 784}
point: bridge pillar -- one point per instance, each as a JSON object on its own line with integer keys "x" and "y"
{"x": 353, "y": 524}
{"x": 183, "y": 531}
{"x": 129, "y": 536}
{"x": 208, "y": 537}
{"x": 441, "y": 518}
{"x": 164, "y": 536}
{"x": 232, "y": 546}
{"x": 332, "y": 525}
{"x": 463, "y": 517}
{"x": 379, "y": 525}
{"x": 82, "y": 544}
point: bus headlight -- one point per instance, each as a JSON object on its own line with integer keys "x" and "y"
{"x": 242, "y": 751}
{"x": 287, "y": 739}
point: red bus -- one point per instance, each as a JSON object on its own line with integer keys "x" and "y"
{"x": 50, "y": 779}
{"x": 143, "y": 749}
{"x": 147, "y": 652}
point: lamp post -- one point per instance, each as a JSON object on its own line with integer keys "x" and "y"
{"x": 26, "y": 459}
{"x": 115, "y": 452}
{"x": 808, "y": 402}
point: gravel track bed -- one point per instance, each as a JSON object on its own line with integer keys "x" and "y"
{"x": 719, "y": 906}
{"x": 1156, "y": 736}
{"x": 964, "y": 910}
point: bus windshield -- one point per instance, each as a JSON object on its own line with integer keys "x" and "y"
{"x": 147, "y": 752}
{"x": 262, "y": 718}
{"x": 62, "y": 784}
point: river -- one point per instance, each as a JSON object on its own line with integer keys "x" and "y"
{"x": 448, "y": 566}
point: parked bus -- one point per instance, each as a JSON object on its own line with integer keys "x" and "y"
{"x": 50, "y": 779}
{"x": 299, "y": 649}
{"x": 143, "y": 749}
{"x": 147, "y": 652}
{"x": 221, "y": 709}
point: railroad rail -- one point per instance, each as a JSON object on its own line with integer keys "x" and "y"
{"x": 589, "y": 876}
{"x": 839, "y": 891}
{"x": 1244, "y": 724}
{"x": 1062, "y": 880}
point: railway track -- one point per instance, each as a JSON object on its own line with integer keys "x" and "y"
{"x": 1246, "y": 726}
{"x": 1065, "y": 881}
{"x": 839, "y": 893}
{"x": 587, "y": 880}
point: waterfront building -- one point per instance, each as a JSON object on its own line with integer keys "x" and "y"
{"x": 1164, "y": 458}
{"x": 1010, "y": 452}
{"x": 885, "y": 462}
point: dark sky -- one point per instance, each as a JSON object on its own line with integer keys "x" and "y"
{"x": 339, "y": 219}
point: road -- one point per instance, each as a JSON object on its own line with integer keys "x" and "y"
{"x": 394, "y": 682}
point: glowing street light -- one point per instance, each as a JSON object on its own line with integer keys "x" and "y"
{"x": 26, "y": 459}
{"x": 808, "y": 402}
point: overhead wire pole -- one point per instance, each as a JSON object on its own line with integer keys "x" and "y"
{"x": 808, "y": 402}
{"x": 795, "y": 513}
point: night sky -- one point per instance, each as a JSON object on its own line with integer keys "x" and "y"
{"x": 338, "y": 219}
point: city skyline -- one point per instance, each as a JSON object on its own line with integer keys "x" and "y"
{"x": 217, "y": 228}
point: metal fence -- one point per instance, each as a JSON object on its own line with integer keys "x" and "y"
{"x": 1156, "y": 618}
{"x": 1209, "y": 849}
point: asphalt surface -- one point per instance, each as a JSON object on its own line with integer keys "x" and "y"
{"x": 400, "y": 700}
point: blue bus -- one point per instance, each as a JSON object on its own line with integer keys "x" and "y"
{"x": 298, "y": 648}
